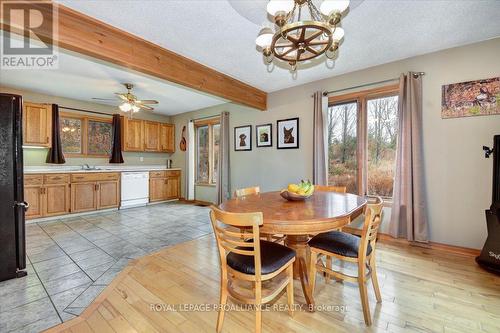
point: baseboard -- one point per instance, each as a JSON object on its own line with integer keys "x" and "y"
{"x": 197, "y": 202}
{"x": 386, "y": 238}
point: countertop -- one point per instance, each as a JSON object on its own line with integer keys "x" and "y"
{"x": 104, "y": 168}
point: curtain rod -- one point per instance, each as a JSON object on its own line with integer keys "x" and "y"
{"x": 207, "y": 117}
{"x": 88, "y": 111}
{"x": 326, "y": 93}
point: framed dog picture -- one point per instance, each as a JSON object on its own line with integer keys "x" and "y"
{"x": 288, "y": 133}
{"x": 264, "y": 135}
{"x": 243, "y": 138}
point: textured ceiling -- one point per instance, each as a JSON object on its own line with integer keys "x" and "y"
{"x": 214, "y": 33}
{"x": 81, "y": 78}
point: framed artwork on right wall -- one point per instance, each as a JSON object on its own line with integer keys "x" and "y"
{"x": 288, "y": 133}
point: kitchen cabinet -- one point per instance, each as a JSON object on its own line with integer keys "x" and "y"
{"x": 47, "y": 195}
{"x": 167, "y": 138}
{"x": 151, "y": 136}
{"x": 37, "y": 124}
{"x": 147, "y": 136}
{"x": 94, "y": 191}
{"x": 164, "y": 185}
{"x": 133, "y": 134}
{"x": 108, "y": 194}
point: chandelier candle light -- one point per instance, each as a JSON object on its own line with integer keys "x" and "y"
{"x": 296, "y": 39}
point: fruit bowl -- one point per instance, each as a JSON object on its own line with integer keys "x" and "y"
{"x": 298, "y": 192}
{"x": 294, "y": 196}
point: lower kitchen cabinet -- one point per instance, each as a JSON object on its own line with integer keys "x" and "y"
{"x": 94, "y": 191}
{"x": 56, "y": 199}
{"x": 164, "y": 185}
{"x": 108, "y": 193}
{"x": 83, "y": 197}
{"x": 47, "y": 195}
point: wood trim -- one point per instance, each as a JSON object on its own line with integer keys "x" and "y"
{"x": 85, "y": 123}
{"x": 368, "y": 93}
{"x": 388, "y": 239}
{"x": 83, "y": 34}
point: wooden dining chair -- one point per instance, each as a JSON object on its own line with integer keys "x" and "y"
{"x": 246, "y": 191}
{"x": 350, "y": 248}
{"x": 328, "y": 188}
{"x": 338, "y": 189}
{"x": 242, "y": 258}
{"x": 239, "y": 193}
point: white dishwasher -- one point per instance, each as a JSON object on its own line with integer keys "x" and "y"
{"x": 135, "y": 189}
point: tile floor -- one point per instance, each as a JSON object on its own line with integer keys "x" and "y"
{"x": 71, "y": 260}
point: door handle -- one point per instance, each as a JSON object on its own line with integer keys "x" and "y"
{"x": 23, "y": 204}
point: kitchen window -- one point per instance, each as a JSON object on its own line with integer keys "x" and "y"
{"x": 207, "y": 151}
{"x": 83, "y": 136}
{"x": 362, "y": 138}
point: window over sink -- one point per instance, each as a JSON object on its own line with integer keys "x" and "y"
{"x": 83, "y": 136}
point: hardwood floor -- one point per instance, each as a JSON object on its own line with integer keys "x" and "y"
{"x": 423, "y": 290}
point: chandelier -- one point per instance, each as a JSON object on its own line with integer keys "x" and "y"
{"x": 299, "y": 38}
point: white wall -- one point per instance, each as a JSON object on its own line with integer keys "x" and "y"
{"x": 37, "y": 157}
{"x": 458, "y": 177}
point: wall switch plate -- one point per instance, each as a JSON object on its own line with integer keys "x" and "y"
{"x": 141, "y": 159}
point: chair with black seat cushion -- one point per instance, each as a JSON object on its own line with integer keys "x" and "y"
{"x": 351, "y": 248}
{"x": 245, "y": 258}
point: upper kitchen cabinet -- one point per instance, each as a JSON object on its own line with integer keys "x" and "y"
{"x": 151, "y": 136}
{"x": 37, "y": 124}
{"x": 167, "y": 138}
{"x": 133, "y": 134}
{"x": 147, "y": 136}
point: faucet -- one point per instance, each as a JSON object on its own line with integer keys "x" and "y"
{"x": 85, "y": 166}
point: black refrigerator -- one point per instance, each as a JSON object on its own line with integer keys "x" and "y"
{"x": 12, "y": 205}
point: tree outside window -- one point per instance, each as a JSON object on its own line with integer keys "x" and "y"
{"x": 207, "y": 151}
{"x": 362, "y": 138}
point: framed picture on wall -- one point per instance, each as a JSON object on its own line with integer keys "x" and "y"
{"x": 288, "y": 133}
{"x": 243, "y": 138}
{"x": 264, "y": 135}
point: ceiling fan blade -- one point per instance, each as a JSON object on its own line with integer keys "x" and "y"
{"x": 104, "y": 99}
{"x": 147, "y": 101}
{"x": 145, "y": 107}
{"x": 122, "y": 96}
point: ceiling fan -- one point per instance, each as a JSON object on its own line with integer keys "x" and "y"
{"x": 130, "y": 102}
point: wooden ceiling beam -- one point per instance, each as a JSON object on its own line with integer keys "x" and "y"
{"x": 83, "y": 34}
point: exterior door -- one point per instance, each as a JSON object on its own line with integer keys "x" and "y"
{"x": 83, "y": 197}
{"x": 37, "y": 125}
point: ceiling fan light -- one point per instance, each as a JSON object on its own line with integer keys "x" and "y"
{"x": 125, "y": 107}
{"x": 135, "y": 108}
{"x": 338, "y": 34}
{"x": 329, "y": 7}
{"x": 274, "y": 7}
{"x": 265, "y": 38}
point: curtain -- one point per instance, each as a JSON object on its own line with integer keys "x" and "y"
{"x": 409, "y": 215}
{"x": 190, "y": 171}
{"x": 223, "y": 170}
{"x": 55, "y": 155}
{"x": 116, "y": 150}
{"x": 320, "y": 168}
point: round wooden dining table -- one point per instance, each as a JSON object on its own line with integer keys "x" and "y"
{"x": 297, "y": 220}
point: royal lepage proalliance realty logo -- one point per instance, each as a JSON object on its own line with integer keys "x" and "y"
{"x": 29, "y": 34}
